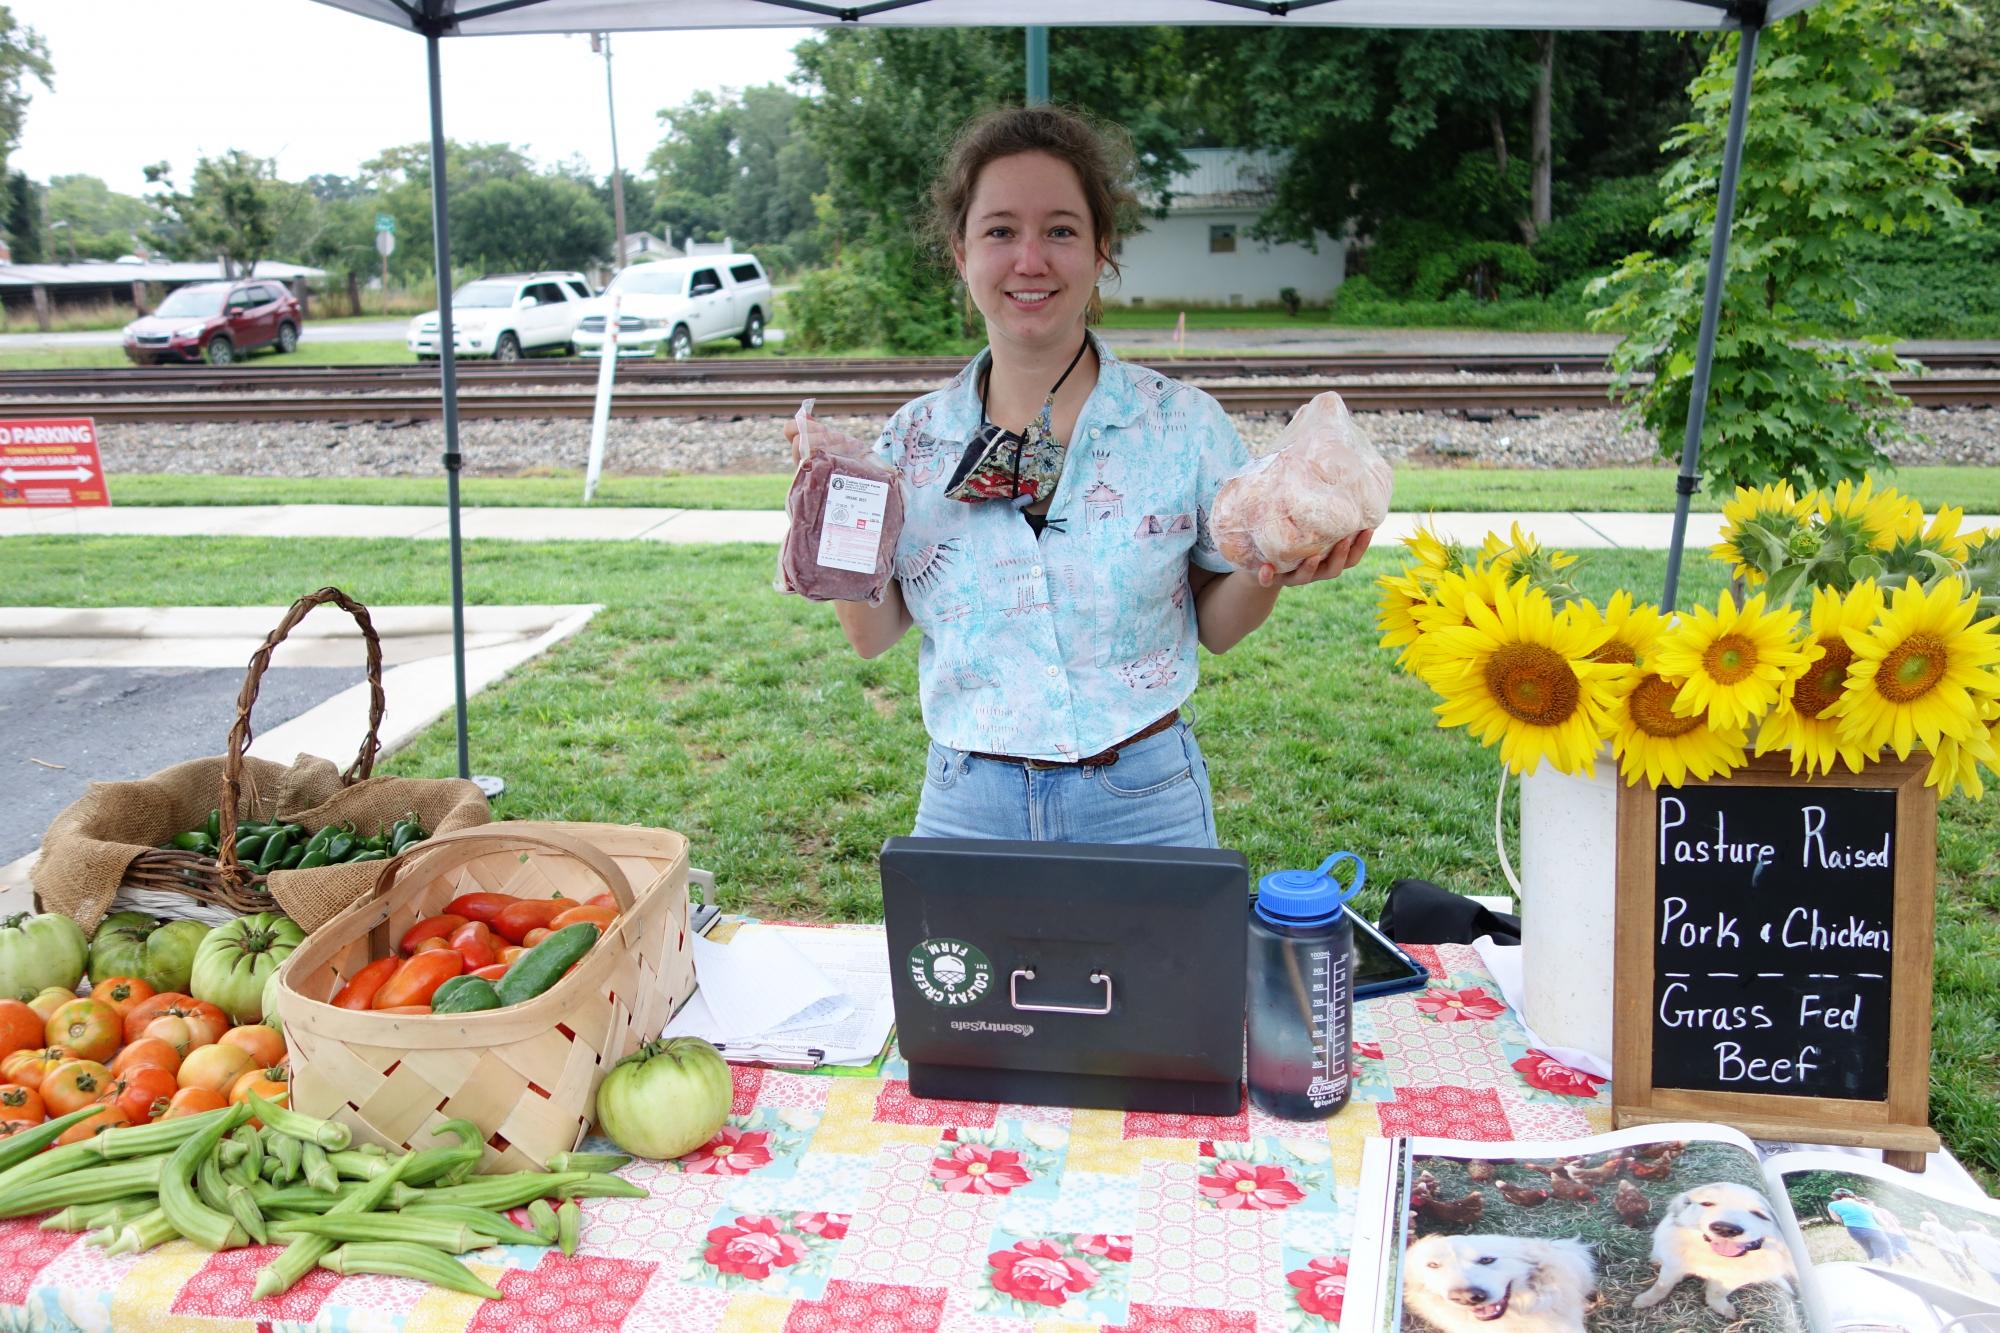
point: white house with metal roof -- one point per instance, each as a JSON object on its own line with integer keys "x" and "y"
{"x": 1201, "y": 252}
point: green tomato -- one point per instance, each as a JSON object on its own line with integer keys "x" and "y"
{"x": 666, "y": 1098}
{"x": 170, "y": 953}
{"x": 38, "y": 952}
{"x": 272, "y": 1019}
{"x": 118, "y": 949}
{"x": 233, "y": 964}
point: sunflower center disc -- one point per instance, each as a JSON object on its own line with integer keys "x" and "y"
{"x": 1730, "y": 658}
{"x": 1652, "y": 709}
{"x": 1821, "y": 686}
{"x": 1614, "y": 651}
{"x": 1911, "y": 668}
{"x": 1533, "y": 683}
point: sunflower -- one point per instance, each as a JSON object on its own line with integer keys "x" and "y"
{"x": 1733, "y": 660}
{"x": 1401, "y": 595}
{"x": 1923, "y": 556}
{"x": 1518, "y": 674}
{"x": 1434, "y": 554}
{"x": 1801, "y": 723}
{"x": 1650, "y": 740}
{"x": 1880, "y": 521}
{"x": 1921, "y": 673}
{"x": 1629, "y": 631}
{"x": 1775, "y": 512}
{"x": 1955, "y": 764}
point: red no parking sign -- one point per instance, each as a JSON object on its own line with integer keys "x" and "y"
{"x": 50, "y": 462}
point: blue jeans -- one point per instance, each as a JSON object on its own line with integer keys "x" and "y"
{"x": 1157, "y": 792}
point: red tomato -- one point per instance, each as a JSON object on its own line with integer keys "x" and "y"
{"x": 418, "y": 979}
{"x": 406, "y": 1009}
{"x": 193, "y": 1101}
{"x": 474, "y": 943}
{"x": 273, "y": 1085}
{"x": 601, "y": 917}
{"x": 107, "y": 1117}
{"x": 142, "y": 1093}
{"x": 29, "y": 1068}
{"x": 21, "y": 1028}
{"x": 536, "y": 936}
{"x": 146, "y": 1051}
{"x": 510, "y": 953}
{"x": 429, "y": 928}
{"x": 359, "y": 992}
{"x": 429, "y": 943}
{"x": 91, "y": 1028}
{"x": 480, "y": 906}
{"x": 206, "y": 1023}
{"x": 215, "y": 1067}
{"x": 73, "y": 1085}
{"x": 123, "y": 993}
{"x": 526, "y": 914}
{"x": 20, "y": 1102}
{"x": 264, "y": 1044}
{"x": 604, "y": 900}
{"x": 491, "y": 973}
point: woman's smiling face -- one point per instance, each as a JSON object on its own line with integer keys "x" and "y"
{"x": 1029, "y": 255}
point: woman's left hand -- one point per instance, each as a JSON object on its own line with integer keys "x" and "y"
{"x": 1328, "y": 564}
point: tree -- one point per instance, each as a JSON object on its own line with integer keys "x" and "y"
{"x": 534, "y": 222}
{"x": 234, "y": 207}
{"x": 23, "y": 218}
{"x": 99, "y": 222}
{"x": 1829, "y": 157}
{"x": 399, "y": 183}
{"x": 23, "y": 55}
{"x": 738, "y": 164}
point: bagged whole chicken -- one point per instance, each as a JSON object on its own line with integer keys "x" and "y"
{"x": 1324, "y": 483}
{"x": 845, "y": 512}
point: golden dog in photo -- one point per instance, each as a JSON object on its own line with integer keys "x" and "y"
{"x": 1500, "y": 1284}
{"x": 1723, "y": 1234}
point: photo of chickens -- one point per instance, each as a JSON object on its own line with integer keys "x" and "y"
{"x": 1669, "y": 1235}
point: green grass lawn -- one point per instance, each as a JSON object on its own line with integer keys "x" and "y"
{"x": 1485, "y": 490}
{"x": 309, "y": 353}
{"x": 700, "y": 700}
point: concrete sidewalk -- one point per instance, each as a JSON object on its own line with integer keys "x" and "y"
{"x": 1574, "y": 531}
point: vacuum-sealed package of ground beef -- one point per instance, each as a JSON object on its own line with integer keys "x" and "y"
{"x": 846, "y": 512}
{"x": 1324, "y": 483}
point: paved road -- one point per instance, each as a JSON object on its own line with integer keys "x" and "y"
{"x": 115, "y": 724}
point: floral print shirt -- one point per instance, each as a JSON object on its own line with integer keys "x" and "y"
{"x": 1058, "y": 646}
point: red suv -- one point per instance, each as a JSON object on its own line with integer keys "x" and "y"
{"x": 217, "y": 322}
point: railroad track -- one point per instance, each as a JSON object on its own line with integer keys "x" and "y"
{"x": 1379, "y": 396}
{"x": 480, "y": 376}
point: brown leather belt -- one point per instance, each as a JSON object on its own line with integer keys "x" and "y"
{"x": 1101, "y": 759}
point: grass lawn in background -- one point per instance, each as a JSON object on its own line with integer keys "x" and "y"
{"x": 309, "y": 353}
{"x": 1483, "y": 490}
{"x": 701, "y": 700}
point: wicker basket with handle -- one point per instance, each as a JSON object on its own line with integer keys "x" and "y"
{"x": 527, "y": 1074}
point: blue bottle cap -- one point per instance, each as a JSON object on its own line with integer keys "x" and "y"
{"x": 1308, "y": 897}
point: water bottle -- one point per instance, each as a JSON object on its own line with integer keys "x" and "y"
{"x": 1302, "y": 990}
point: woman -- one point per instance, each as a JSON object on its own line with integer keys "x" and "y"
{"x": 1864, "y": 1225}
{"x": 1055, "y": 550}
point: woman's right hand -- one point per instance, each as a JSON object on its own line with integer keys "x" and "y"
{"x": 792, "y": 438}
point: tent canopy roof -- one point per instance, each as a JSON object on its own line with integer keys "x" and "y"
{"x": 476, "y": 18}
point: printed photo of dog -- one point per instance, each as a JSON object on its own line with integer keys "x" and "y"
{"x": 1723, "y": 1234}
{"x": 1500, "y": 1284}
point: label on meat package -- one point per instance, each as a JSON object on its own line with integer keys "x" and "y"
{"x": 850, "y": 534}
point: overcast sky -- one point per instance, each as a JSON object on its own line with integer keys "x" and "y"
{"x": 321, "y": 90}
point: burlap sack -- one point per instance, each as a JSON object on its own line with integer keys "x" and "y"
{"x": 88, "y": 846}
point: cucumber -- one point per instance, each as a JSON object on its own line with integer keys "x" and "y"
{"x": 464, "y": 995}
{"x": 542, "y": 966}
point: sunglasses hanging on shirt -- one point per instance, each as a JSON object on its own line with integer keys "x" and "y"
{"x": 1018, "y": 467}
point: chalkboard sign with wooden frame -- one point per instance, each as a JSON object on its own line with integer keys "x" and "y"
{"x": 1774, "y": 942}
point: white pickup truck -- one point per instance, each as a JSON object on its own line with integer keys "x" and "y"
{"x": 674, "y": 305}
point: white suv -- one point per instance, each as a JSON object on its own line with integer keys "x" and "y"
{"x": 669, "y": 306}
{"x": 506, "y": 316}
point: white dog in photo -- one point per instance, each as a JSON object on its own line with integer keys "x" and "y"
{"x": 1724, "y": 1235}
{"x": 1500, "y": 1284}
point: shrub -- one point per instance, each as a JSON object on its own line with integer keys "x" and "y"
{"x": 1392, "y": 260}
{"x": 874, "y": 297}
{"x": 1611, "y": 220}
{"x": 1289, "y": 298}
{"x": 1485, "y": 270}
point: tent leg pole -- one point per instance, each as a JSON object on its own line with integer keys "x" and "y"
{"x": 1711, "y": 308}
{"x": 448, "y": 366}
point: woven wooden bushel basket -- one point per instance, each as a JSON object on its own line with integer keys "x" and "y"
{"x": 527, "y": 1074}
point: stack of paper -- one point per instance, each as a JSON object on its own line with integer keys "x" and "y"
{"x": 791, "y": 995}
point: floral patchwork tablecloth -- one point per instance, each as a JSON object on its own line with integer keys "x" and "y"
{"x": 845, "y": 1204}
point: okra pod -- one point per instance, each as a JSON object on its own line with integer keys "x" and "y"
{"x": 142, "y": 1233}
{"x": 328, "y": 1134}
{"x": 597, "y": 1185}
{"x": 508, "y": 1191}
{"x": 415, "y": 1261}
{"x": 437, "y": 1232}
{"x": 205, "y": 1226}
{"x": 162, "y": 1136}
{"x": 117, "y": 1214}
{"x": 243, "y": 1207}
{"x": 301, "y": 1198}
{"x": 318, "y": 1171}
{"x": 569, "y": 1226}
{"x": 372, "y": 1149}
{"x": 73, "y": 1218}
{"x": 289, "y": 1152}
{"x": 208, "y": 1183}
{"x": 97, "y": 1184}
{"x": 253, "y": 1149}
{"x": 20, "y": 1148}
{"x": 431, "y": 1165}
{"x": 299, "y": 1258}
{"x": 547, "y": 1226}
{"x": 493, "y": 1227}
{"x": 229, "y": 1152}
{"x": 352, "y": 1164}
{"x": 588, "y": 1161}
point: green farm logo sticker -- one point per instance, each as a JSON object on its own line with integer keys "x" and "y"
{"x": 950, "y": 972}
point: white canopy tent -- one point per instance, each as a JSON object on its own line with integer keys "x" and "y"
{"x": 439, "y": 19}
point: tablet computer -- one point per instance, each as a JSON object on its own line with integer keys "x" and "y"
{"x": 1380, "y": 968}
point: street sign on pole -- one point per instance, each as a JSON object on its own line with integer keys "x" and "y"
{"x": 51, "y": 463}
{"x": 385, "y": 243}
{"x": 385, "y": 222}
